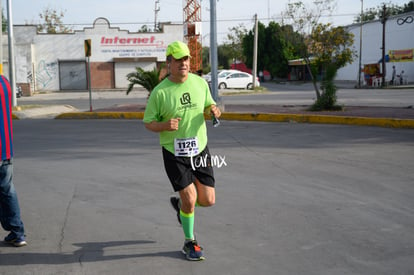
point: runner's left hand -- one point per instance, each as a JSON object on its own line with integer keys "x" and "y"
{"x": 215, "y": 111}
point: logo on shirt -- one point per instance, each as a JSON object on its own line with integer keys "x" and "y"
{"x": 186, "y": 104}
{"x": 185, "y": 99}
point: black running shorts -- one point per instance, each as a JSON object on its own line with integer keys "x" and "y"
{"x": 182, "y": 171}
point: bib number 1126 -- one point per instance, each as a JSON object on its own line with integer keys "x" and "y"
{"x": 186, "y": 147}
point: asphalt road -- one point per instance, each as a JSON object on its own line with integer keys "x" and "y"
{"x": 291, "y": 199}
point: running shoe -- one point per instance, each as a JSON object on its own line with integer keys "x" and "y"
{"x": 16, "y": 241}
{"x": 192, "y": 251}
{"x": 176, "y": 204}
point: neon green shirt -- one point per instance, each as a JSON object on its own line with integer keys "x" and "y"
{"x": 185, "y": 100}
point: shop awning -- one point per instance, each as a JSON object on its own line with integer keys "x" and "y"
{"x": 298, "y": 62}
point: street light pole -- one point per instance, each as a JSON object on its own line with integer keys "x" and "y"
{"x": 213, "y": 50}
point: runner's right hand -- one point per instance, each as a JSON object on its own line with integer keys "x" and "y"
{"x": 172, "y": 124}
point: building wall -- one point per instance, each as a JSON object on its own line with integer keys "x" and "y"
{"x": 102, "y": 75}
{"x": 399, "y": 33}
{"x": 38, "y": 56}
{"x": 124, "y": 68}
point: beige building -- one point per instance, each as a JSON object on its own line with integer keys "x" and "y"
{"x": 53, "y": 62}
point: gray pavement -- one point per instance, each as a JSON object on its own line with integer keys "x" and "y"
{"x": 291, "y": 199}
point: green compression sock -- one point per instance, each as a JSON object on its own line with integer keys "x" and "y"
{"x": 187, "y": 221}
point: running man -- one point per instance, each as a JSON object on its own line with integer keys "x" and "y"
{"x": 175, "y": 110}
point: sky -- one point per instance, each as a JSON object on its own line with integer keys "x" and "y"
{"x": 132, "y": 14}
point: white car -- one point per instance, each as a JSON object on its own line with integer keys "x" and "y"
{"x": 224, "y": 73}
{"x": 207, "y": 77}
{"x": 236, "y": 79}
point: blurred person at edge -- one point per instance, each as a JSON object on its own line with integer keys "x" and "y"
{"x": 9, "y": 205}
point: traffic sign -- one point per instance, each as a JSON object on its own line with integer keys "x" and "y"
{"x": 88, "y": 47}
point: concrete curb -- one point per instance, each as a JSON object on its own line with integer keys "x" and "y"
{"x": 322, "y": 119}
{"x": 49, "y": 111}
{"x": 101, "y": 115}
{"x": 264, "y": 117}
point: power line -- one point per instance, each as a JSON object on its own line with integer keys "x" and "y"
{"x": 204, "y": 21}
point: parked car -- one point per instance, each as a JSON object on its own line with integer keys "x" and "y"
{"x": 207, "y": 77}
{"x": 224, "y": 73}
{"x": 236, "y": 79}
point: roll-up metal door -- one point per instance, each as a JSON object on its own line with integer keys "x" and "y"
{"x": 72, "y": 75}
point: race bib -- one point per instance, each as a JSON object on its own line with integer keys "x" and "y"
{"x": 186, "y": 147}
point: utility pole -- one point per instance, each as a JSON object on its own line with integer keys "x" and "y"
{"x": 156, "y": 10}
{"x": 383, "y": 21}
{"x": 11, "y": 54}
{"x": 360, "y": 43}
{"x": 254, "y": 72}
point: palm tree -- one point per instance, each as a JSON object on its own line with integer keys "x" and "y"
{"x": 147, "y": 79}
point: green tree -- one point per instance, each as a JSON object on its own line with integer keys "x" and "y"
{"x": 409, "y": 6}
{"x": 328, "y": 47}
{"x": 144, "y": 28}
{"x": 147, "y": 79}
{"x": 234, "y": 43}
{"x": 274, "y": 48}
{"x": 304, "y": 19}
{"x": 293, "y": 40}
{"x": 224, "y": 56}
{"x": 3, "y": 21}
{"x": 277, "y": 52}
{"x": 331, "y": 49}
{"x": 248, "y": 47}
{"x": 205, "y": 55}
{"x": 368, "y": 15}
{"x": 52, "y": 22}
{"x": 376, "y": 13}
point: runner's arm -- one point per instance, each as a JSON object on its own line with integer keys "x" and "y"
{"x": 170, "y": 125}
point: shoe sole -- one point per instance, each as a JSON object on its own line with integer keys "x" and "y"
{"x": 19, "y": 244}
{"x": 202, "y": 258}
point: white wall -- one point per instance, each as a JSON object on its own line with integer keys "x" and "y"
{"x": 124, "y": 68}
{"x": 398, "y": 36}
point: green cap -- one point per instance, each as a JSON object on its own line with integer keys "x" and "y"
{"x": 178, "y": 50}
